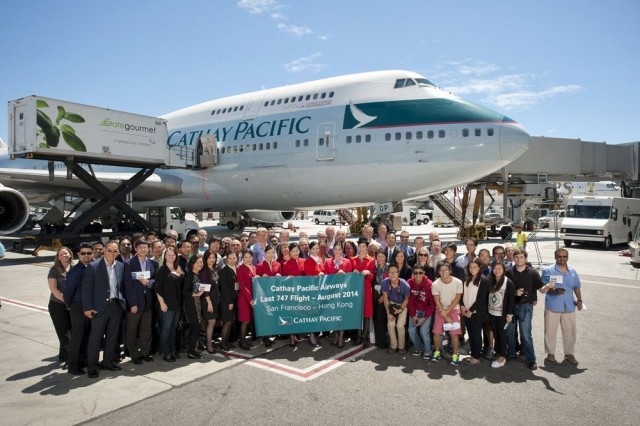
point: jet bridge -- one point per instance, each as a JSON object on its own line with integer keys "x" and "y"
{"x": 558, "y": 159}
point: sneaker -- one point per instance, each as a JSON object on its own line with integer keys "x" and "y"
{"x": 571, "y": 359}
{"x": 455, "y": 360}
{"x": 436, "y": 356}
{"x": 426, "y": 356}
{"x": 551, "y": 358}
{"x": 416, "y": 352}
{"x": 391, "y": 350}
{"x": 496, "y": 364}
{"x": 401, "y": 352}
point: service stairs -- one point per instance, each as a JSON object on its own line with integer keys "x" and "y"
{"x": 449, "y": 208}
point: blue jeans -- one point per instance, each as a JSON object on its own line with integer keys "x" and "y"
{"x": 168, "y": 328}
{"x": 421, "y": 340}
{"x": 523, "y": 315}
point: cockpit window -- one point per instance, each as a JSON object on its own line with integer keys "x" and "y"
{"x": 410, "y": 82}
{"x": 399, "y": 83}
{"x": 424, "y": 81}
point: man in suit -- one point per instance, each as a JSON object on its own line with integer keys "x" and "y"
{"x": 79, "y": 323}
{"x": 392, "y": 249}
{"x": 103, "y": 303}
{"x": 140, "y": 301}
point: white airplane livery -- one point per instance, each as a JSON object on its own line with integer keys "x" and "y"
{"x": 338, "y": 142}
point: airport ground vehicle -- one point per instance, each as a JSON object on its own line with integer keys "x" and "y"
{"x": 326, "y": 216}
{"x": 423, "y": 216}
{"x": 492, "y": 219}
{"x": 552, "y": 217}
{"x": 605, "y": 220}
{"x": 165, "y": 219}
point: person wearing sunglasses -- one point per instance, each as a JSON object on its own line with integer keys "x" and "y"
{"x": 561, "y": 284}
{"x": 421, "y": 307}
{"x": 77, "y": 353}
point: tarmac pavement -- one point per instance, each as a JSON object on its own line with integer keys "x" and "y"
{"x": 304, "y": 385}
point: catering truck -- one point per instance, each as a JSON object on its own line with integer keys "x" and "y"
{"x": 605, "y": 220}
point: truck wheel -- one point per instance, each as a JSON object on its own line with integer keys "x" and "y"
{"x": 231, "y": 225}
{"x": 607, "y": 243}
{"x": 568, "y": 243}
{"x": 419, "y": 222}
{"x": 505, "y": 232}
{"x": 333, "y": 222}
{"x": 317, "y": 222}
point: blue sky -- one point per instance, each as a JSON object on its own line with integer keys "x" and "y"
{"x": 561, "y": 68}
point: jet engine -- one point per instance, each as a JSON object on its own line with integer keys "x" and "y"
{"x": 270, "y": 216}
{"x": 14, "y": 210}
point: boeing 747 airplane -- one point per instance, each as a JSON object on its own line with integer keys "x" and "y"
{"x": 344, "y": 141}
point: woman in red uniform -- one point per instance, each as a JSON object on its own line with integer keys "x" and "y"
{"x": 268, "y": 268}
{"x": 350, "y": 250}
{"x": 365, "y": 265}
{"x": 245, "y": 274}
{"x": 314, "y": 265}
{"x": 292, "y": 266}
{"x": 337, "y": 265}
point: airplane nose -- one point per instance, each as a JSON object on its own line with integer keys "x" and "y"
{"x": 514, "y": 140}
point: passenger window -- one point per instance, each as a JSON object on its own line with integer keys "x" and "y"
{"x": 348, "y": 139}
{"x": 465, "y": 133}
{"x": 399, "y": 83}
{"x": 441, "y": 133}
{"x": 235, "y": 109}
{"x": 293, "y": 99}
{"x": 298, "y": 143}
{"x": 490, "y": 131}
{"x": 331, "y": 94}
{"x": 478, "y": 132}
{"x": 398, "y": 136}
{"x": 286, "y": 100}
{"x": 358, "y": 138}
{"x": 430, "y": 134}
{"x": 387, "y": 137}
{"x": 418, "y": 135}
{"x": 224, "y": 110}
{"x": 324, "y": 95}
{"x": 261, "y": 146}
{"x": 307, "y": 97}
{"x": 275, "y": 145}
{"x": 266, "y": 103}
{"x": 300, "y": 98}
{"x": 273, "y": 102}
{"x": 367, "y": 138}
{"x": 279, "y": 101}
{"x": 268, "y": 146}
{"x": 306, "y": 142}
{"x": 315, "y": 96}
{"x": 254, "y": 147}
{"x": 223, "y": 149}
{"x": 241, "y": 107}
{"x": 408, "y": 136}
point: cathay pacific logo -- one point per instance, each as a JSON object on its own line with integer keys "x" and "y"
{"x": 355, "y": 118}
{"x": 284, "y": 321}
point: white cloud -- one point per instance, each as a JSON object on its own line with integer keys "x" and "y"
{"x": 305, "y": 63}
{"x": 527, "y": 99}
{"x": 294, "y": 29}
{"x": 507, "y": 91}
{"x": 259, "y": 7}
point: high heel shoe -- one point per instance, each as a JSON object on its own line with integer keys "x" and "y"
{"x": 225, "y": 347}
{"x": 244, "y": 345}
{"x": 194, "y": 355}
{"x": 211, "y": 351}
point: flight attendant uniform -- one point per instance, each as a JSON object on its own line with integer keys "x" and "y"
{"x": 292, "y": 268}
{"x": 333, "y": 265}
{"x": 313, "y": 267}
{"x": 267, "y": 269}
{"x": 245, "y": 276}
{"x": 366, "y": 264}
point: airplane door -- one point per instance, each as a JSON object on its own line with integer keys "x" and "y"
{"x": 325, "y": 142}
{"x": 252, "y": 109}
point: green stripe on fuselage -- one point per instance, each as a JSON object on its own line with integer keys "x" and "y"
{"x": 422, "y": 111}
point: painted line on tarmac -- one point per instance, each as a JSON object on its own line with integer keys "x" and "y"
{"x": 24, "y": 305}
{"x": 612, "y": 284}
{"x": 304, "y": 374}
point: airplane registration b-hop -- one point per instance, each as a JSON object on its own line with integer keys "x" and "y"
{"x": 345, "y": 141}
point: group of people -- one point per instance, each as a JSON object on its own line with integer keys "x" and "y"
{"x": 150, "y": 294}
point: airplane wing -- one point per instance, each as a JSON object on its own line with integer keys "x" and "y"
{"x": 37, "y": 187}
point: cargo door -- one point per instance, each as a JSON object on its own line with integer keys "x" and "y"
{"x": 325, "y": 142}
